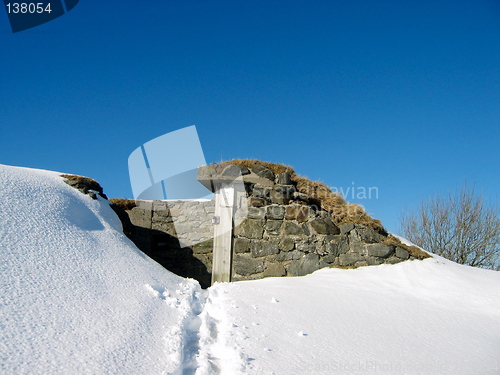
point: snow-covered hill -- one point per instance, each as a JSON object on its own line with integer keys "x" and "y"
{"x": 77, "y": 297}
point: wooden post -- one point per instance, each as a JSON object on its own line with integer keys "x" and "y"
{"x": 223, "y": 232}
{"x": 231, "y": 209}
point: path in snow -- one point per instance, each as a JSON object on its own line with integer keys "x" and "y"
{"x": 208, "y": 340}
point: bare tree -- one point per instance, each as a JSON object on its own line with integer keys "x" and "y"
{"x": 459, "y": 227}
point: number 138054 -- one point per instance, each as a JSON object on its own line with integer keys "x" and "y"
{"x": 28, "y": 8}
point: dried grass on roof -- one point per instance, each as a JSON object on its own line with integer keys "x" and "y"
{"x": 341, "y": 211}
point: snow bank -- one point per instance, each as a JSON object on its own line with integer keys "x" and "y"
{"x": 76, "y": 296}
{"x": 417, "y": 317}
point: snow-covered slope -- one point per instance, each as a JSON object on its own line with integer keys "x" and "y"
{"x": 418, "y": 317}
{"x": 76, "y": 296}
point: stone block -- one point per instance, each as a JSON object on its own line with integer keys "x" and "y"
{"x": 244, "y": 171}
{"x": 346, "y": 228}
{"x": 209, "y": 208}
{"x": 261, "y": 191}
{"x": 203, "y": 247}
{"x": 140, "y": 217}
{"x": 287, "y": 244}
{"x": 282, "y": 194}
{"x": 162, "y": 215}
{"x": 290, "y": 255}
{"x": 363, "y": 233}
{"x": 320, "y": 248}
{"x": 291, "y": 212}
{"x": 206, "y": 173}
{"x": 328, "y": 246}
{"x": 277, "y": 198}
{"x": 274, "y": 270}
{"x": 349, "y": 259}
{"x": 264, "y": 248}
{"x": 306, "y": 245}
{"x": 250, "y": 228}
{"x": 263, "y": 172}
{"x": 245, "y": 266}
{"x": 393, "y": 260}
{"x": 303, "y": 214}
{"x": 332, "y": 245}
{"x": 342, "y": 244}
{"x": 305, "y": 227}
{"x": 257, "y": 202}
{"x": 292, "y": 229}
{"x": 379, "y": 250}
{"x": 361, "y": 263}
{"x": 324, "y": 226}
{"x": 402, "y": 253}
{"x": 297, "y": 212}
{"x": 145, "y": 205}
{"x": 275, "y": 212}
{"x": 358, "y": 248}
{"x": 271, "y": 259}
{"x": 241, "y": 245}
{"x": 159, "y": 206}
{"x": 374, "y": 261}
{"x": 182, "y": 229}
{"x": 283, "y": 178}
{"x": 256, "y": 213}
{"x": 304, "y": 266}
{"x": 166, "y": 227}
{"x": 329, "y": 259}
{"x": 232, "y": 170}
{"x": 273, "y": 227}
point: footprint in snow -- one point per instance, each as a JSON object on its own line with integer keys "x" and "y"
{"x": 162, "y": 293}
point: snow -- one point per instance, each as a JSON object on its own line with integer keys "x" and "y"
{"x": 418, "y": 317}
{"x": 77, "y": 296}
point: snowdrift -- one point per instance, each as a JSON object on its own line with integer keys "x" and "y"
{"x": 418, "y": 317}
{"x": 76, "y": 296}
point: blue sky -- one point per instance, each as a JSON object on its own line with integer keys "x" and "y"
{"x": 401, "y": 96}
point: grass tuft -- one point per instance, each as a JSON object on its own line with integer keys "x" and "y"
{"x": 92, "y": 184}
{"x": 84, "y": 184}
{"x": 124, "y": 204}
{"x": 341, "y": 211}
{"x": 413, "y": 250}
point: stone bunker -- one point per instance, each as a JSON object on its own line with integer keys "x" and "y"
{"x": 293, "y": 227}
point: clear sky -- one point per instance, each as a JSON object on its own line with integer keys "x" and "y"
{"x": 401, "y": 96}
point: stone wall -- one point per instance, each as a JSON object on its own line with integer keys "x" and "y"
{"x": 285, "y": 233}
{"x": 293, "y": 240}
{"x": 151, "y": 227}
